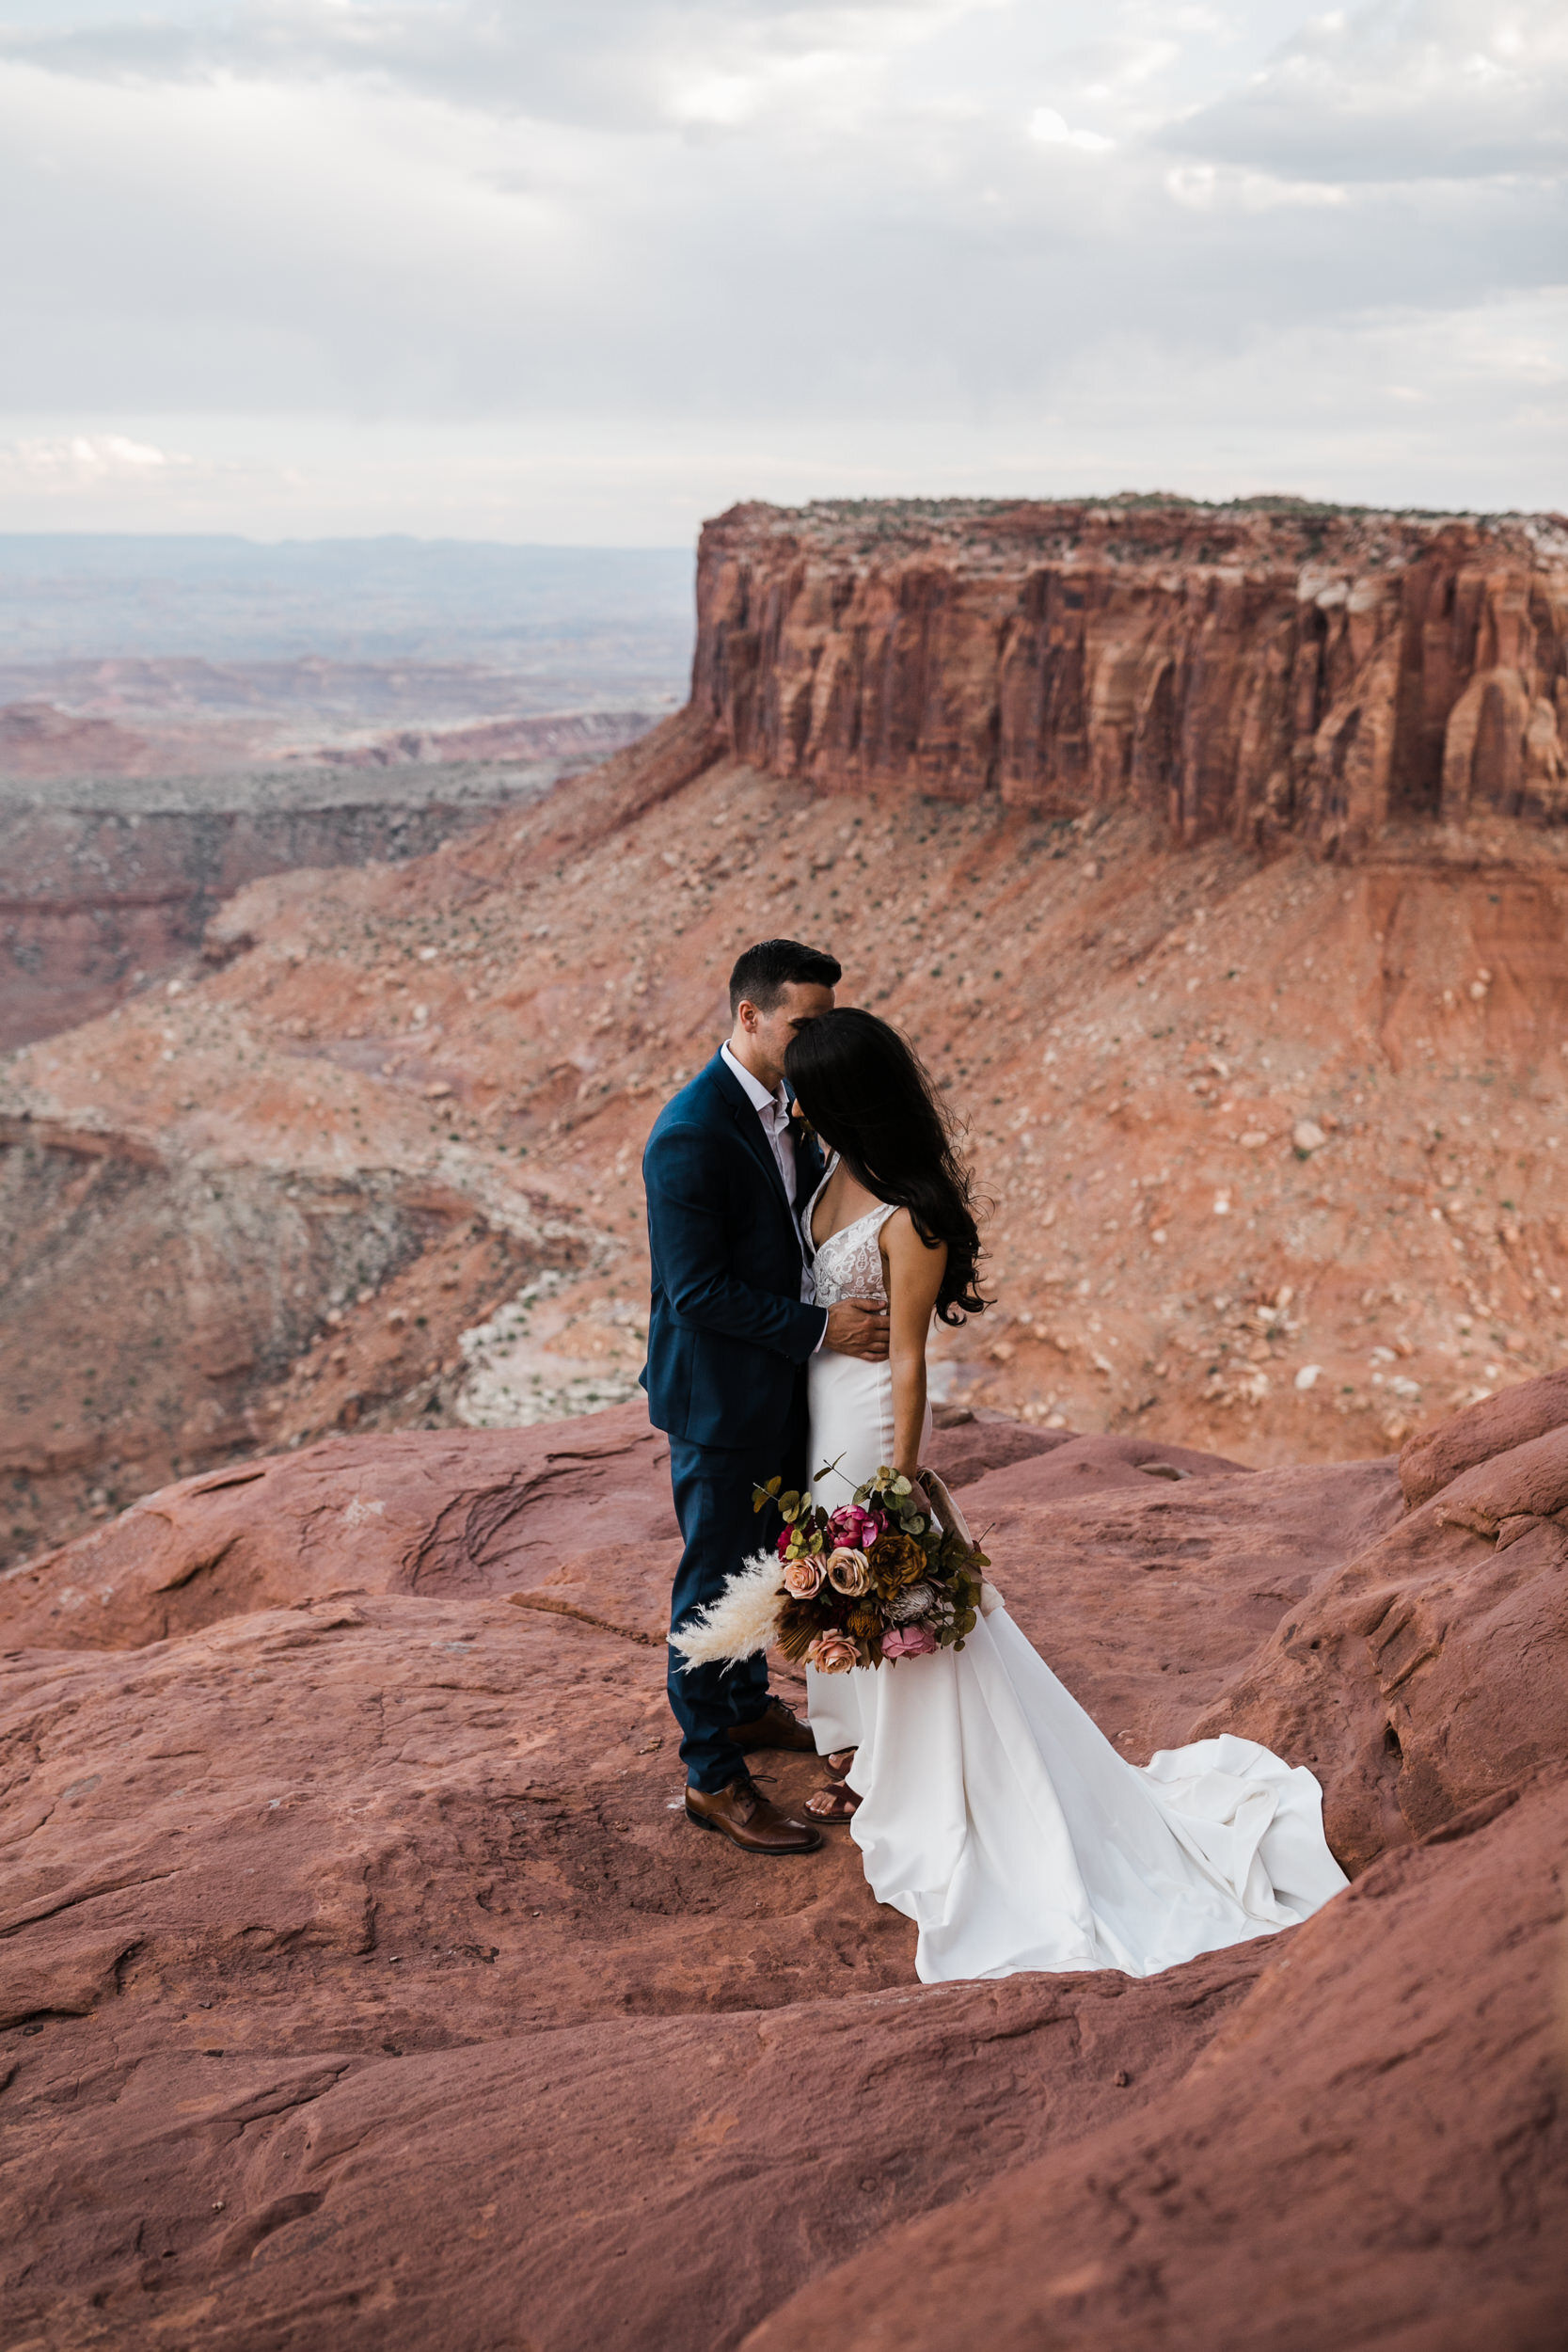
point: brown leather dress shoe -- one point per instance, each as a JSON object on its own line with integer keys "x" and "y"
{"x": 777, "y": 1726}
{"x": 743, "y": 1814}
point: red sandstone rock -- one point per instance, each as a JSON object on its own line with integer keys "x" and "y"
{"x": 573, "y": 1517}
{"x": 1430, "y": 1670}
{"x": 1320, "y": 2176}
{"x": 1431, "y": 1461}
{"x": 362, "y": 1979}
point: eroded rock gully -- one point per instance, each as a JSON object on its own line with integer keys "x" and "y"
{"x": 360, "y": 1982}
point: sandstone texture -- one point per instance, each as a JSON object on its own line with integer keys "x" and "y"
{"x": 362, "y": 1983}
{"x": 1264, "y": 668}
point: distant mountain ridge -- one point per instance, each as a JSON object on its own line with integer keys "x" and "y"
{"x": 69, "y": 596}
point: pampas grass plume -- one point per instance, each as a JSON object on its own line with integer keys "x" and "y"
{"x": 743, "y": 1620}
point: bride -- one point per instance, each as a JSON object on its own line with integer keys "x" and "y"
{"x": 986, "y": 1805}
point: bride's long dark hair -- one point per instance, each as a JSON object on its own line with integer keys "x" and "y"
{"x": 871, "y": 1099}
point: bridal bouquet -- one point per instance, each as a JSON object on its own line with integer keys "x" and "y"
{"x": 877, "y": 1579}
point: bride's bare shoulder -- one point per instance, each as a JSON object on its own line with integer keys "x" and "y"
{"x": 902, "y": 1244}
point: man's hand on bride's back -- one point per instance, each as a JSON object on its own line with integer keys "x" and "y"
{"x": 857, "y": 1327}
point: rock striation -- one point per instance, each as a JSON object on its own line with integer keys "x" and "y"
{"x": 360, "y": 1982}
{"x": 1268, "y": 669}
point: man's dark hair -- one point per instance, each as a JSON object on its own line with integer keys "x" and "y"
{"x": 764, "y": 972}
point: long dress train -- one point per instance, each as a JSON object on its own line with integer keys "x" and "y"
{"x": 994, "y": 1813}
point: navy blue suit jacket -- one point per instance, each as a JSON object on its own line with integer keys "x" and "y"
{"x": 727, "y": 1333}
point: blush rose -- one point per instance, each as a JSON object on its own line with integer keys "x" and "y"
{"x": 802, "y": 1576}
{"x": 833, "y": 1654}
{"x": 909, "y": 1641}
{"x": 848, "y": 1572}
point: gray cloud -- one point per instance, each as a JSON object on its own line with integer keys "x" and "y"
{"x": 1403, "y": 90}
{"x": 795, "y": 245}
{"x": 621, "y": 65}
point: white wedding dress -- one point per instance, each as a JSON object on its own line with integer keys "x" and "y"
{"x": 994, "y": 1814}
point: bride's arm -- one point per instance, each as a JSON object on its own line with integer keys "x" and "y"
{"x": 914, "y": 1275}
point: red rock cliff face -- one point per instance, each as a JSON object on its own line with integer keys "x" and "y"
{"x": 1253, "y": 670}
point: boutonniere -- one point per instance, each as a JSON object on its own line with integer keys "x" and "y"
{"x": 800, "y": 1125}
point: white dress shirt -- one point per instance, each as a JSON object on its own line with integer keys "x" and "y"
{"x": 773, "y": 1111}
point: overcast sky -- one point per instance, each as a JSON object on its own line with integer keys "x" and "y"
{"x": 587, "y": 270}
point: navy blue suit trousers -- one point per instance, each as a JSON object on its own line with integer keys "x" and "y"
{"x": 712, "y": 1487}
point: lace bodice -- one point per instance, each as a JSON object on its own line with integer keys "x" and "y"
{"x": 849, "y": 1264}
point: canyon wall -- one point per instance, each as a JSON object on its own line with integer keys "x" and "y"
{"x": 118, "y": 846}
{"x": 156, "y": 1312}
{"x": 1263, "y": 670}
{"x": 92, "y": 899}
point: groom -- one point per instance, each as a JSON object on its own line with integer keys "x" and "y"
{"x": 731, "y": 1329}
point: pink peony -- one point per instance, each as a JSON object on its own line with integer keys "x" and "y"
{"x": 802, "y": 1576}
{"x": 909, "y": 1641}
{"x": 833, "y": 1654}
{"x": 848, "y": 1572}
{"x": 855, "y": 1528}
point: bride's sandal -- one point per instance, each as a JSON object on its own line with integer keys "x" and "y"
{"x": 838, "y": 1765}
{"x": 834, "y": 1804}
